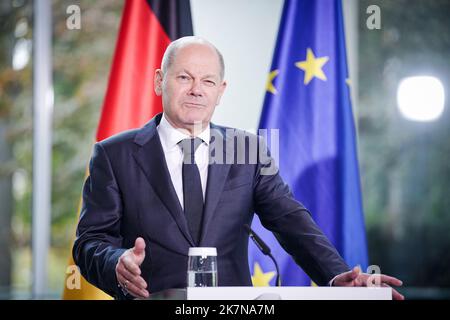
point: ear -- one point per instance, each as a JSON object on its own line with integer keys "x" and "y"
{"x": 158, "y": 80}
{"x": 222, "y": 88}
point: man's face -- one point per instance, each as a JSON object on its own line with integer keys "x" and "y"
{"x": 191, "y": 87}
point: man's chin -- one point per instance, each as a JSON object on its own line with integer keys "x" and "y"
{"x": 195, "y": 119}
{"x": 195, "y": 123}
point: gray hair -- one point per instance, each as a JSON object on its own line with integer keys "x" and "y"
{"x": 169, "y": 54}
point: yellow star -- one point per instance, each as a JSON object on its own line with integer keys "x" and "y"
{"x": 269, "y": 84}
{"x": 259, "y": 278}
{"x": 312, "y": 66}
{"x": 348, "y": 82}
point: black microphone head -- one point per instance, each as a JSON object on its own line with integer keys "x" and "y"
{"x": 257, "y": 240}
{"x": 264, "y": 249}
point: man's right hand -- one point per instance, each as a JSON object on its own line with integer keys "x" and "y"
{"x": 128, "y": 271}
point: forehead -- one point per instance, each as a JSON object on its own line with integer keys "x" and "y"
{"x": 197, "y": 58}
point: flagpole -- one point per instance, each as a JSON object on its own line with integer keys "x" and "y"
{"x": 351, "y": 9}
{"x": 42, "y": 126}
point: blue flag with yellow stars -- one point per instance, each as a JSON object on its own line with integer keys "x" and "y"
{"x": 308, "y": 100}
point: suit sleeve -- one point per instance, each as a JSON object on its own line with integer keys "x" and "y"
{"x": 293, "y": 225}
{"x": 98, "y": 243}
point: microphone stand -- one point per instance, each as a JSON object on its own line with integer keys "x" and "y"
{"x": 265, "y": 250}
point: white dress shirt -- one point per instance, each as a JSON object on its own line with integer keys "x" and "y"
{"x": 170, "y": 137}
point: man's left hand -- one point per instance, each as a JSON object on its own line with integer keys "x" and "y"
{"x": 355, "y": 278}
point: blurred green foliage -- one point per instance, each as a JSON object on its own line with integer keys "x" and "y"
{"x": 81, "y": 61}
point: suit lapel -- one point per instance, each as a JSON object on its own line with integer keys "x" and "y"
{"x": 150, "y": 157}
{"x": 217, "y": 176}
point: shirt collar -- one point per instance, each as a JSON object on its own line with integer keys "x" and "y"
{"x": 171, "y": 136}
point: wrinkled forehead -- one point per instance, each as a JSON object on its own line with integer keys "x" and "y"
{"x": 196, "y": 58}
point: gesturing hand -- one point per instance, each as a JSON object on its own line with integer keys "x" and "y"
{"x": 355, "y": 278}
{"x": 128, "y": 271}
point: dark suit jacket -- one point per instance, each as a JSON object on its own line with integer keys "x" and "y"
{"x": 129, "y": 194}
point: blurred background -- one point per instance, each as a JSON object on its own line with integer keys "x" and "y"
{"x": 404, "y": 153}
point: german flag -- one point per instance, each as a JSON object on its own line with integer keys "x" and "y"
{"x": 146, "y": 29}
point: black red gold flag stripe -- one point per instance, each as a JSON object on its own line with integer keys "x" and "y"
{"x": 146, "y": 29}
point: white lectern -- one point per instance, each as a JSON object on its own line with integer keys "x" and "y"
{"x": 275, "y": 293}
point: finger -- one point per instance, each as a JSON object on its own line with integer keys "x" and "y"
{"x": 137, "y": 280}
{"x": 351, "y": 275}
{"x": 395, "y": 294}
{"x": 131, "y": 266}
{"x": 373, "y": 280}
{"x": 132, "y": 288}
{"x": 139, "y": 247}
{"x": 391, "y": 280}
{"x": 361, "y": 280}
{"x": 344, "y": 284}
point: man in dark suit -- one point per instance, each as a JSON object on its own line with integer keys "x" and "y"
{"x": 180, "y": 182}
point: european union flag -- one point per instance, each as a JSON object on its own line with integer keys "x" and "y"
{"x": 308, "y": 100}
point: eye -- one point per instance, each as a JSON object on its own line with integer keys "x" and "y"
{"x": 183, "y": 77}
{"x": 210, "y": 83}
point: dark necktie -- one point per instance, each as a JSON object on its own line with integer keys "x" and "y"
{"x": 192, "y": 188}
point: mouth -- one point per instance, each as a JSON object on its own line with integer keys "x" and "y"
{"x": 193, "y": 105}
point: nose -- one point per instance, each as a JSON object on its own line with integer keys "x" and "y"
{"x": 196, "y": 89}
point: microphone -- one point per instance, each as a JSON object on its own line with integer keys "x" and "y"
{"x": 264, "y": 249}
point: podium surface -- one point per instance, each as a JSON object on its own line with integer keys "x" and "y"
{"x": 275, "y": 293}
